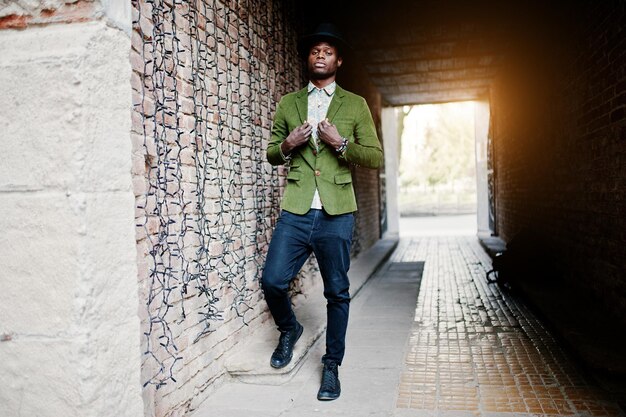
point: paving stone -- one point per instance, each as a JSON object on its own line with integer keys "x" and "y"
{"x": 461, "y": 348}
{"x": 249, "y": 362}
{"x": 476, "y": 350}
{"x": 373, "y": 357}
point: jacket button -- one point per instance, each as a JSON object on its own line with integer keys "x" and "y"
{"x": 314, "y": 152}
{"x": 317, "y": 173}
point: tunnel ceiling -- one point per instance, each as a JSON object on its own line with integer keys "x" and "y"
{"x": 419, "y": 52}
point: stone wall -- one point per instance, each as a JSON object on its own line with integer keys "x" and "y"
{"x": 69, "y": 330}
{"x": 558, "y": 133}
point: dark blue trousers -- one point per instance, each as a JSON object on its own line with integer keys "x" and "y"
{"x": 329, "y": 238}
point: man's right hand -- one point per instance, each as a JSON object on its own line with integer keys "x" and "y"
{"x": 298, "y": 136}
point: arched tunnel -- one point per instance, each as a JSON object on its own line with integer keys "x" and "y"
{"x": 138, "y": 205}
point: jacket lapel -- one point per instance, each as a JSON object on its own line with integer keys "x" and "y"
{"x": 333, "y": 108}
{"x": 302, "y": 104}
{"x": 335, "y": 104}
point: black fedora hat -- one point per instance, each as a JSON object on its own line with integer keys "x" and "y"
{"x": 323, "y": 32}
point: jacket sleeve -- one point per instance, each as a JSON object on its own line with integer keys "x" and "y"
{"x": 366, "y": 150}
{"x": 280, "y": 132}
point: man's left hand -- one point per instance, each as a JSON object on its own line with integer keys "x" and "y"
{"x": 327, "y": 133}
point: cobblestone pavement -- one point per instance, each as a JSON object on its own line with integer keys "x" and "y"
{"x": 473, "y": 350}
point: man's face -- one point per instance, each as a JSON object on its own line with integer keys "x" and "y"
{"x": 323, "y": 61}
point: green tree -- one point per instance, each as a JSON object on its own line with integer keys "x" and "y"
{"x": 449, "y": 146}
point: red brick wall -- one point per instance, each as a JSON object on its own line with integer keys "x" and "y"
{"x": 366, "y": 181}
{"x": 559, "y": 136}
{"x": 25, "y": 14}
{"x": 206, "y": 79}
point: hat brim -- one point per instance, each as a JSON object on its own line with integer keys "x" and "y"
{"x": 306, "y": 42}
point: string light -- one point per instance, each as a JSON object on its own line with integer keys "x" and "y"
{"x": 212, "y": 75}
{"x": 208, "y": 90}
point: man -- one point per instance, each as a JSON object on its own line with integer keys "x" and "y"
{"x": 318, "y": 131}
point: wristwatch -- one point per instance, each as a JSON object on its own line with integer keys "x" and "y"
{"x": 344, "y": 145}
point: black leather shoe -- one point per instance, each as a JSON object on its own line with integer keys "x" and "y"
{"x": 330, "y": 389}
{"x": 284, "y": 351}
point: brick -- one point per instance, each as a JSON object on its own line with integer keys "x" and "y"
{"x": 561, "y": 175}
{"x": 246, "y": 97}
{"x": 146, "y": 28}
{"x": 14, "y": 21}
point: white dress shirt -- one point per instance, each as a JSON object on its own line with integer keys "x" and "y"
{"x": 318, "y": 102}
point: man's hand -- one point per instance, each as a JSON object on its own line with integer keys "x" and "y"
{"x": 327, "y": 132}
{"x": 298, "y": 136}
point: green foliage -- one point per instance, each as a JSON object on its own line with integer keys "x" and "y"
{"x": 445, "y": 153}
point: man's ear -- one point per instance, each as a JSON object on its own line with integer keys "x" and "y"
{"x": 339, "y": 61}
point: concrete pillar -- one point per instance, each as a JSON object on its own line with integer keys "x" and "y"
{"x": 391, "y": 140}
{"x": 481, "y": 131}
{"x": 69, "y": 325}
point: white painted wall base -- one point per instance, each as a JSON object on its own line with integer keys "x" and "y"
{"x": 70, "y": 336}
{"x": 389, "y": 120}
{"x": 481, "y": 132}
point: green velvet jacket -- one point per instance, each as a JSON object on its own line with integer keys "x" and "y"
{"x": 327, "y": 170}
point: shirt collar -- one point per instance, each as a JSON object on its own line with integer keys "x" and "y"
{"x": 329, "y": 89}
